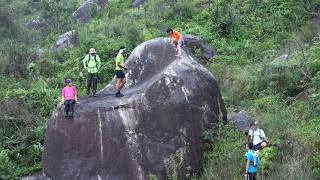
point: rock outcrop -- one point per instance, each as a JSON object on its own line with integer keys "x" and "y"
{"x": 137, "y": 3}
{"x": 154, "y": 130}
{"x": 36, "y": 24}
{"x": 194, "y": 42}
{"x": 242, "y": 121}
{"x": 83, "y": 13}
{"x": 68, "y": 39}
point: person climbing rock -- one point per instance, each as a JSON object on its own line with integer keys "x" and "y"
{"x": 177, "y": 39}
{"x": 92, "y": 64}
{"x": 69, "y": 96}
{"x": 119, "y": 71}
{"x": 252, "y": 162}
{"x": 257, "y": 137}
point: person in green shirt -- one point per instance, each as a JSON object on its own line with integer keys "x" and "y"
{"x": 119, "y": 71}
{"x": 92, "y": 64}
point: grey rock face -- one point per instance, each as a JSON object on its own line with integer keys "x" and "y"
{"x": 36, "y": 176}
{"x": 137, "y": 3}
{"x": 83, "y": 13}
{"x": 155, "y": 129}
{"x": 194, "y": 42}
{"x": 242, "y": 120}
{"x": 68, "y": 39}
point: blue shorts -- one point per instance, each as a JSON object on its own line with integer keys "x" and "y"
{"x": 120, "y": 74}
{"x": 181, "y": 42}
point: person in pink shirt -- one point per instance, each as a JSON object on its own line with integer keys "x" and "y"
{"x": 69, "y": 96}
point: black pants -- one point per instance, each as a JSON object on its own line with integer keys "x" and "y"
{"x": 251, "y": 176}
{"x": 69, "y": 107}
{"x": 92, "y": 81}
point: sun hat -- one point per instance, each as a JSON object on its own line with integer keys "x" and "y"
{"x": 92, "y": 51}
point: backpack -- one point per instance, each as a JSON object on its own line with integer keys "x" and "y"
{"x": 260, "y": 136}
{"x": 255, "y": 161}
{"x": 95, "y": 60}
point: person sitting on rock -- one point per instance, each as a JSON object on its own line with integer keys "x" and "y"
{"x": 92, "y": 64}
{"x": 119, "y": 71}
{"x": 257, "y": 137}
{"x": 177, "y": 38}
{"x": 252, "y": 162}
{"x": 69, "y": 96}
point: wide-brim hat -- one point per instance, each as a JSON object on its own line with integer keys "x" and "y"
{"x": 92, "y": 51}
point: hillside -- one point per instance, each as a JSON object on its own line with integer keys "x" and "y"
{"x": 267, "y": 63}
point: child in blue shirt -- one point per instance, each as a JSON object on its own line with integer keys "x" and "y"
{"x": 252, "y": 162}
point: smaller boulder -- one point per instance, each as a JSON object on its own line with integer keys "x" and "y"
{"x": 137, "y": 3}
{"x": 68, "y": 39}
{"x": 83, "y": 13}
{"x": 36, "y": 24}
{"x": 37, "y": 54}
{"x": 242, "y": 121}
{"x": 194, "y": 42}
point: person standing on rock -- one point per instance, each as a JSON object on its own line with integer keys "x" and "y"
{"x": 252, "y": 162}
{"x": 69, "y": 96}
{"x": 92, "y": 64}
{"x": 257, "y": 137}
{"x": 119, "y": 71}
{"x": 177, "y": 39}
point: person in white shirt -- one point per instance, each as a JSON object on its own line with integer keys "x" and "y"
{"x": 257, "y": 137}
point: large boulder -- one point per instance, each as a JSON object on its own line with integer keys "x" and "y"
{"x": 194, "y": 42}
{"x": 83, "y": 13}
{"x": 68, "y": 39}
{"x": 154, "y": 130}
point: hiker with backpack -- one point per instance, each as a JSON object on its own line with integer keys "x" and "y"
{"x": 252, "y": 162}
{"x": 69, "y": 96}
{"x": 257, "y": 137}
{"x": 119, "y": 71}
{"x": 92, "y": 64}
{"x": 177, "y": 39}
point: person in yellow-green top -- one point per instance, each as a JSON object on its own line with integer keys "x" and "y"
{"x": 119, "y": 71}
{"x": 92, "y": 64}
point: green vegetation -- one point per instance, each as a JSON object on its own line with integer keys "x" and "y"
{"x": 250, "y": 36}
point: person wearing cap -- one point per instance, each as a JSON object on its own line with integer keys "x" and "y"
{"x": 119, "y": 71}
{"x": 177, "y": 39}
{"x": 92, "y": 64}
{"x": 69, "y": 96}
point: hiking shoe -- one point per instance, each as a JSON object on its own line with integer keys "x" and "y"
{"x": 94, "y": 95}
{"x": 66, "y": 116}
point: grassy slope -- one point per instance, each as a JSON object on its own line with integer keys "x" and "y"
{"x": 248, "y": 35}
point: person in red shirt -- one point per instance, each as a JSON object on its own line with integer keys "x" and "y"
{"x": 177, "y": 38}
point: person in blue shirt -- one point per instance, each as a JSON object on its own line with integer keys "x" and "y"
{"x": 252, "y": 162}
